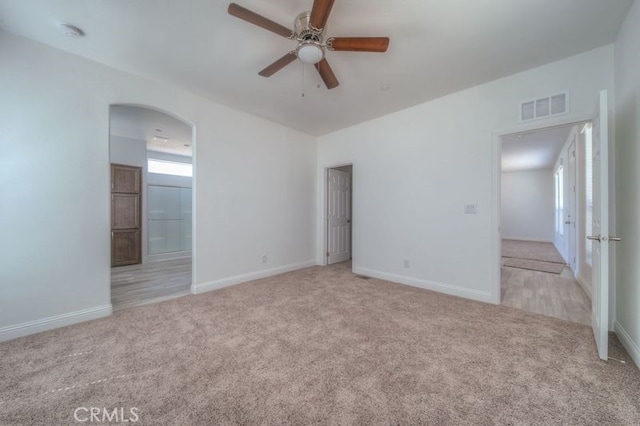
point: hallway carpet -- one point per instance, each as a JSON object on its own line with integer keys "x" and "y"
{"x": 323, "y": 346}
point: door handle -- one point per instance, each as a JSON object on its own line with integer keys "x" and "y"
{"x": 593, "y": 237}
{"x": 568, "y": 222}
{"x": 615, "y": 239}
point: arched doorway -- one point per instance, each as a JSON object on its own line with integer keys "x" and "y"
{"x": 152, "y": 199}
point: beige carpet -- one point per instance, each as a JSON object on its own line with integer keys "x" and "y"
{"x": 533, "y": 265}
{"x": 320, "y": 346}
{"x": 532, "y": 250}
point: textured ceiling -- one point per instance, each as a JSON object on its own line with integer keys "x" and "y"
{"x": 437, "y": 47}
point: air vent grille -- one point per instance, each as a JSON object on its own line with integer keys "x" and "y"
{"x": 544, "y": 107}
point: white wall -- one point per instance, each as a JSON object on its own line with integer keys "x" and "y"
{"x": 627, "y": 70}
{"x": 254, "y": 185}
{"x": 415, "y": 169}
{"x": 527, "y": 205}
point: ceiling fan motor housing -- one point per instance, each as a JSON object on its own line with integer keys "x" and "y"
{"x": 310, "y": 49}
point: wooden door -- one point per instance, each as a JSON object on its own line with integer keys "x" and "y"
{"x": 126, "y": 204}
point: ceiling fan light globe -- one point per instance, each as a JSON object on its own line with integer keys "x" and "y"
{"x": 310, "y": 53}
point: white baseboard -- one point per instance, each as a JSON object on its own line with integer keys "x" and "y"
{"x": 481, "y": 296}
{"x": 628, "y": 343}
{"x": 168, "y": 256}
{"x": 49, "y": 323}
{"x": 535, "y": 240}
{"x": 226, "y": 282}
{"x": 585, "y": 286}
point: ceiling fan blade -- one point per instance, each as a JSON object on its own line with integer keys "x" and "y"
{"x": 320, "y": 13}
{"x": 327, "y": 74}
{"x": 278, "y": 65}
{"x": 261, "y": 21}
{"x": 358, "y": 44}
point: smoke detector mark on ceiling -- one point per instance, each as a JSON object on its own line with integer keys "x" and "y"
{"x": 71, "y": 30}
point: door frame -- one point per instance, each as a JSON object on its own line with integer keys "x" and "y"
{"x": 572, "y": 195}
{"x": 194, "y": 133}
{"x": 496, "y": 150}
{"x": 325, "y": 210}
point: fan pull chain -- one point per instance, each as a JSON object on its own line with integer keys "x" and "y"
{"x": 303, "y": 79}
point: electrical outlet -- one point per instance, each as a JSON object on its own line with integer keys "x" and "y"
{"x": 264, "y": 258}
{"x": 406, "y": 263}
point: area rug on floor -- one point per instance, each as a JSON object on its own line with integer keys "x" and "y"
{"x": 319, "y": 346}
{"x": 531, "y": 250}
{"x": 533, "y": 265}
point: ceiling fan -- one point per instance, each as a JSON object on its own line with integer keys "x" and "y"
{"x": 309, "y": 34}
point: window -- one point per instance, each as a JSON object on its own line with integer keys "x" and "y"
{"x": 588, "y": 213}
{"x": 170, "y": 168}
{"x": 559, "y": 200}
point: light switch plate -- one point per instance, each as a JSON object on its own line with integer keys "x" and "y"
{"x": 470, "y": 208}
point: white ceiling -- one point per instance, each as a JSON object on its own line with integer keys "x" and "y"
{"x": 437, "y": 47}
{"x": 533, "y": 150}
{"x": 143, "y": 124}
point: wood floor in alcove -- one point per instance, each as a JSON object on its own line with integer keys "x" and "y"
{"x": 150, "y": 282}
{"x": 554, "y": 295}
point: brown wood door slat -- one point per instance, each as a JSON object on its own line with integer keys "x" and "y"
{"x": 125, "y": 211}
{"x": 125, "y": 247}
{"x": 126, "y": 205}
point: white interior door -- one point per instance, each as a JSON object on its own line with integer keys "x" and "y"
{"x": 339, "y": 216}
{"x": 600, "y": 274}
{"x": 572, "y": 202}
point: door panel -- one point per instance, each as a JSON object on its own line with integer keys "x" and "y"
{"x": 339, "y": 216}
{"x": 126, "y": 202}
{"x": 125, "y": 179}
{"x": 125, "y": 211}
{"x": 125, "y": 247}
{"x": 600, "y": 271}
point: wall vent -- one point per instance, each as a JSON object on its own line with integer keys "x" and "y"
{"x": 544, "y": 107}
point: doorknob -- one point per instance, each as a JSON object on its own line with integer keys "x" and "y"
{"x": 593, "y": 237}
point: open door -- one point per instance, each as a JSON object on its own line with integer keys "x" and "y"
{"x": 339, "y": 216}
{"x": 600, "y": 275}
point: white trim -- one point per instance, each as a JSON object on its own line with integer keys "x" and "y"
{"x": 632, "y": 347}
{"x": 57, "y": 321}
{"x": 238, "y": 279}
{"x": 481, "y": 296}
{"x": 535, "y": 240}
{"x": 585, "y": 286}
{"x": 161, "y": 257}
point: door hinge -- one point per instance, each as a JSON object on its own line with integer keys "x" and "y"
{"x": 112, "y": 235}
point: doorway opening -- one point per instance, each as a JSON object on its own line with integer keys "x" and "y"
{"x": 544, "y": 203}
{"x": 151, "y": 156}
{"x": 338, "y": 213}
